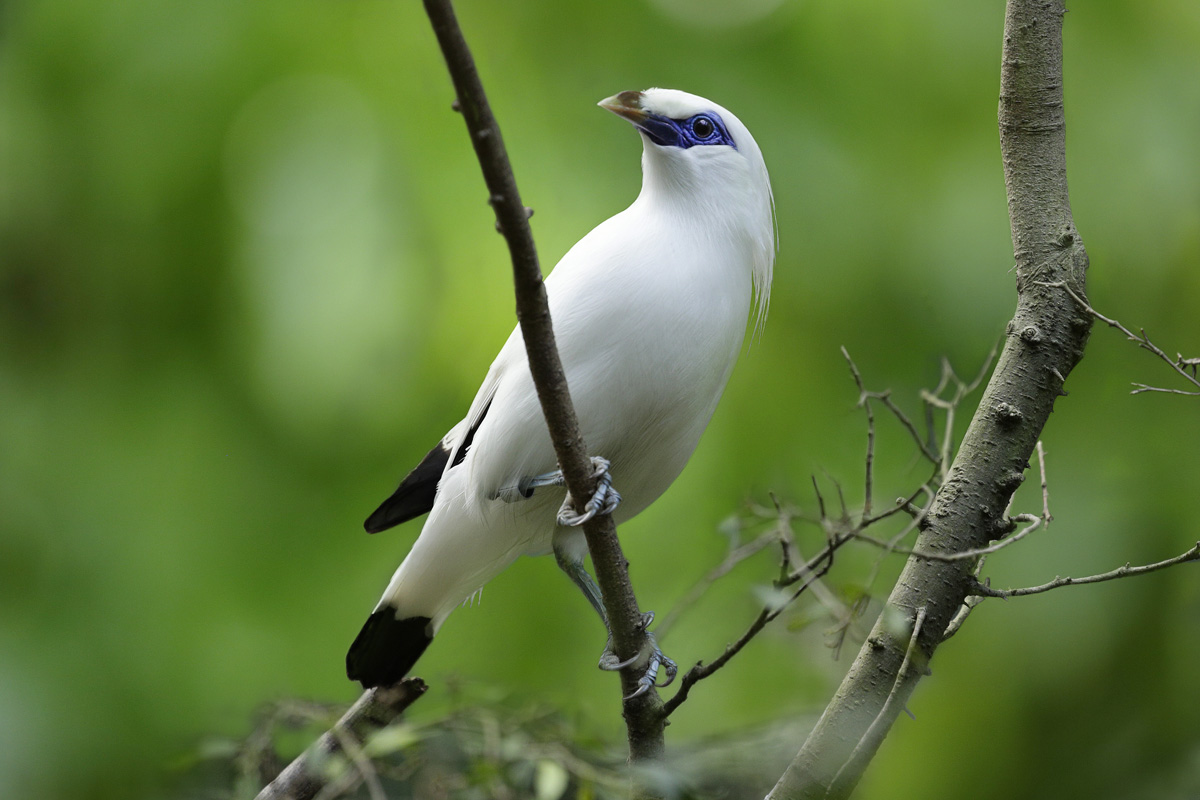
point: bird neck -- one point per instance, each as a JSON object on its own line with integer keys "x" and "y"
{"x": 723, "y": 202}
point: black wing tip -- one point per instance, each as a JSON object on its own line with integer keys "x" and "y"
{"x": 387, "y": 648}
{"x": 378, "y": 521}
{"x": 396, "y": 511}
{"x": 415, "y": 494}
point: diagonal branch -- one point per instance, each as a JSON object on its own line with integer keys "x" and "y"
{"x": 320, "y": 768}
{"x": 643, "y": 720}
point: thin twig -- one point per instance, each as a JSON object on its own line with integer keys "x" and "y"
{"x": 963, "y": 612}
{"x": 885, "y": 397}
{"x": 934, "y": 399}
{"x": 891, "y": 544}
{"x": 961, "y": 555}
{"x": 1141, "y": 387}
{"x": 1179, "y": 364}
{"x": 1041, "y": 455}
{"x": 1126, "y": 571}
{"x": 820, "y": 497}
{"x": 904, "y": 504}
{"x": 870, "y": 468}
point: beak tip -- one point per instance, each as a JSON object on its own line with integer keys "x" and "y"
{"x": 626, "y": 104}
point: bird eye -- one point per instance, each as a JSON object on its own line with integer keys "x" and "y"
{"x": 702, "y": 127}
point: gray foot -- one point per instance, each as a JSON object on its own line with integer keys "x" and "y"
{"x": 656, "y": 661}
{"x": 605, "y": 500}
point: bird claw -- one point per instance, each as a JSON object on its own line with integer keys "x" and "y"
{"x": 656, "y": 661}
{"x": 609, "y": 662}
{"x": 604, "y": 500}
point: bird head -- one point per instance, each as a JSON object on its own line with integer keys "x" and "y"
{"x": 700, "y": 162}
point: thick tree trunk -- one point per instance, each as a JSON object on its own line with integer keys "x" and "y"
{"x": 1045, "y": 340}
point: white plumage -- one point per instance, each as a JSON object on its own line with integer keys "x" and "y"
{"x": 649, "y": 311}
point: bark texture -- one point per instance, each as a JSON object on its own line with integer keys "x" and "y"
{"x": 1045, "y": 340}
{"x": 643, "y": 717}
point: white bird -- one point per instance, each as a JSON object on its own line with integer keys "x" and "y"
{"x": 649, "y": 310}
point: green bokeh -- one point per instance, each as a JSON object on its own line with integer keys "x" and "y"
{"x": 248, "y": 276}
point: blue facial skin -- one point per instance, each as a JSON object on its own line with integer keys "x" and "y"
{"x": 702, "y": 129}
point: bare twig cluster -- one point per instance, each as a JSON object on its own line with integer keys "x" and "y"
{"x": 840, "y": 525}
{"x": 843, "y": 526}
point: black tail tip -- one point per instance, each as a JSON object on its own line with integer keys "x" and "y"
{"x": 387, "y": 648}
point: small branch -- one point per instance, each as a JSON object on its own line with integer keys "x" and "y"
{"x": 1179, "y": 364}
{"x": 918, "y": 518}
{"x": 869, "y": 471}
{"x": 905, "y": 504}
{"x": 961, "y": 555}
{"x": 1041, "y": 455}
{"x": 1141, "y": 387}
{"x": 963, "y": 612}
{"x": 1126, "y": 571}
{"x": 642, "y": 717}
{"x": 969, "y": 604}
{"x": 820, "y": 497}
{"x": 814, "y": 570}
{"x": 316, "y": 768}
{"x": 933, "y": 399}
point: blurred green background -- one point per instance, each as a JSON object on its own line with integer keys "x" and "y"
{"x": 248, "y": 277}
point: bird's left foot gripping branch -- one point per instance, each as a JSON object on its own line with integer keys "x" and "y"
{"x": 650, "y": 310}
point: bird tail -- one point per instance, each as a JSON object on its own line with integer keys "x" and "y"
{"x": 387, "y": 647}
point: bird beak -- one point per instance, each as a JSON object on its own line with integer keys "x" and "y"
{"x": 627, "y": 105}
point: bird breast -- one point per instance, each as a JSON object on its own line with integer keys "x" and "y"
{"x": 649, "y": 316}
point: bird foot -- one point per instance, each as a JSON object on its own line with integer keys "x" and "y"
{"x": 604, "y": 500}
{"x": 655, "y": 660}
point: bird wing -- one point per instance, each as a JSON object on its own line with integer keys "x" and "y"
{"x": 513, "y": 441}
{"x": 415, "y": 494}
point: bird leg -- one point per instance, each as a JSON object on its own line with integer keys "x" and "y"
{"x": 604, "y": 500}
{"x": 571, "y": 562}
